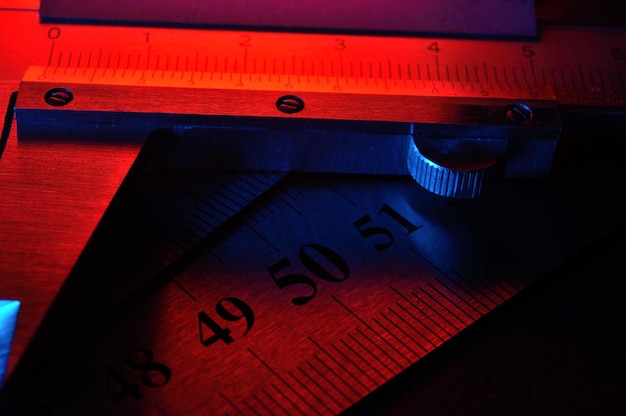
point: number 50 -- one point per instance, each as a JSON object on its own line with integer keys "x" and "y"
{"x": 320, "y": 260}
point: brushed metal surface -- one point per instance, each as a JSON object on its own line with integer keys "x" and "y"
{"x": 356, "y": 313}
{"x": 340, "y": 132}
{"x": 49, "y": 212}
{"x": 49, "y": 205}
{"x": 51, "y": 198}
{"x": 478, "y": 17}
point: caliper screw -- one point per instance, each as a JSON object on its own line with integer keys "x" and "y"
{"x": 518, "y": 113}
{"x": 290, "y": 104}
{"x": 58, "y": 97}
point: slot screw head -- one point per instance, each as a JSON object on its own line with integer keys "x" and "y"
{"x": 518, "y": 113}
{"x": 58, "y": 97}
{"x": 290, "y": 104}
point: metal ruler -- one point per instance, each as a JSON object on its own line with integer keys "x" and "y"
{"x": 364, "y": 278}
{"x": 479, "y": 17}
{"x": 581, "y": 67}
{"x": 274, "y": 295}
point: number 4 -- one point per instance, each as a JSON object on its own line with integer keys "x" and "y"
{"x": 219, "y": 333}
{"x": 434, "y": 47}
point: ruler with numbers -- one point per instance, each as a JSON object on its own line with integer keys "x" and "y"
{"x": 267, "y": 293}
{"x": 365, "y": 277}
{"x": 582, "y": 67}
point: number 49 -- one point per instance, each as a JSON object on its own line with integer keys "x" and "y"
{"x": 223, "y": 309}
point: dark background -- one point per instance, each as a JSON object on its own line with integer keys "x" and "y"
{"x": 607, "y": 13}
{"x": 559, "y": 347}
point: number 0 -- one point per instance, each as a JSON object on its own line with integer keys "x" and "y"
{"x": 313, "y": 257}
{"x": 54, "y": 33}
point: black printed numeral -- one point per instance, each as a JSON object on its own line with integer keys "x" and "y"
{"x": 320, "y": 261}
{"x": 229, "y": 309}
{"x": 151, "y": 374}
{"x": 367, "y": 231}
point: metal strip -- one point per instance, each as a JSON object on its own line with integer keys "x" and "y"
{"x": 478, "y": 17}
{"x": 396, "y": 274}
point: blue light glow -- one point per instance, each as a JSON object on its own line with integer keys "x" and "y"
{"x": 8, "y": 318}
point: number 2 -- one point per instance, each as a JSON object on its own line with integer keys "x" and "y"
{"x": 246, "y": 41}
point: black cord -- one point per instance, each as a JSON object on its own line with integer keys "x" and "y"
{"x": 8, "y": 122}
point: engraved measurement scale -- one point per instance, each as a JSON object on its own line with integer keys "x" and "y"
{"x": 364, "y": 278}
{"x": 581, "y": 67}
{"x": 282, "y": 322}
